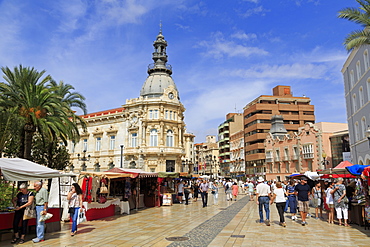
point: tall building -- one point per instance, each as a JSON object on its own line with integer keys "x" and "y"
{"x": 356, "y": 75}
{"x": 237, "y": 162}
{"x": 296, "y": 111}
{"x": 147, "y": 132}
{"x": 233, "y": 124}
{"x": 206, "y": 157}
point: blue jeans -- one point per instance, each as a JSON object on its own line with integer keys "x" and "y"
{"x": 40, "y": 226}
{"x": 263, "y": 201}
{"x": 204, "y": 198}
{"x": 286, "y": 205}
{"x": 74, "y": 217}
{"x": 292, "y": 204}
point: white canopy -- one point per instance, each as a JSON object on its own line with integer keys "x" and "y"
{"x": 16, "y": 169}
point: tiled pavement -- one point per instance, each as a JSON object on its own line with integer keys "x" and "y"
{"x": 210, "y": 226}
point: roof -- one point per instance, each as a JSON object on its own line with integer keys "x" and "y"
{"x": 106, "y": 112}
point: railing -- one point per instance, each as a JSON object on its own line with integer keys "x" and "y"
{"x": 308, "y": 156}
{"x": 153, "y": 66}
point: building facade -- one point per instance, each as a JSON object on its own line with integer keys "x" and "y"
{"x": 340, "y": 149}
{"x": 356, "y": 77}
{"x": 233, "y": 124}
{"x": 308, "y": 149}
{"x": 206, "y": 157}
{"x": 257, "y": 123}
{"x": 147, "y": 132}
{"x": 237, "y": 162}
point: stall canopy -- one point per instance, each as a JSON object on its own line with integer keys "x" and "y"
{"x": 356, "y": 170}
{"x": 343, "y": 164}
{"x": 109, "y": 175}
{"x": 16, "y": 169}
{"x": 134, "y": 172}
{"x": 168, "y": 174}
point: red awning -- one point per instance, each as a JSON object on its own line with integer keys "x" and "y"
{"x": 135, "y": 172}
{"x": 343, "y": 164}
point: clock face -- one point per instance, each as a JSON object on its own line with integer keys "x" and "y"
{"x": 171, "y": 96}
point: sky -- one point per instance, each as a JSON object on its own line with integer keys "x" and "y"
{"x": 224, "y": 53}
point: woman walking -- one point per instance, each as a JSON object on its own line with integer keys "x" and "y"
{"x": 75, "y": 203}
{"x": 279, "y": 198}
{"x": 317, "y": 199}
{"x": 235, "y": 189}
{"x": 340, "y": 201}
{"x": 292, "y": 199}
{"x": 195, "y": 190}
{"x": 214, "y": 191}
{"x": 330, "y": 202}
{"x": 23, "y": 199}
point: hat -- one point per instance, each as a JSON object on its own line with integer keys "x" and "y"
{"x": 304, "y": 178}
{"x": 23, "y": 186}
{"x": 260, "y": 179}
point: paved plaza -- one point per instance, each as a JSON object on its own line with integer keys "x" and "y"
{"x": 228, "y": 224}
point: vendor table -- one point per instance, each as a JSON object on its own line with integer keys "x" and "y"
{"x": 356, "y": 214}
{"x": 96, "y": 210}
{"x": 6, "y": 218}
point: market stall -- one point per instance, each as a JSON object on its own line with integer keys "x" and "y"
{"x": 99, "y": 203}
{"x": 16, "y": 169}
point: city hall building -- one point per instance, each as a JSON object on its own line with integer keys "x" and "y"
{"x": 146, "y": 133}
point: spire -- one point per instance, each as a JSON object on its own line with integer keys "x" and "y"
{"x": 277, "y": 126}
{"x": 159, "y": 55}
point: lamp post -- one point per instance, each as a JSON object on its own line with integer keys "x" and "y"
{"x": 323, "y": 159}
{"x": 121, "y": 155}
{"x": 83, "y": 159}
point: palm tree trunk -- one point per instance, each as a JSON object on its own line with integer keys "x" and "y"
{"x": 29, "y": 130}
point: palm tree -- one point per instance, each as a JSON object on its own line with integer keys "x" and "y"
{"x": 42, "y": 109}
{"x": 360, "y": 16}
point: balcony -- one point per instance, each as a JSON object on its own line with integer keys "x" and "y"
{"x": 277, "y": 159}
{"x": 308, "y": 156}
{"x": 269, "y": 159}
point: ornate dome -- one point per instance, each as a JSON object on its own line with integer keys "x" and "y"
{"x": 159, "y": 77}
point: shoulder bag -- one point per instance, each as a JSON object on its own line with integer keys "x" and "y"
{"x": 30, "y": 211}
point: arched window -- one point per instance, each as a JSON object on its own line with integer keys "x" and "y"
{"x": 358, "y": 70}
{"x": 354, "y": 103}
{"x": 357, "y": 132}
{"x": 351, "y": 79}
{"x": 366, "y": 60}
{"x": 169, "y": 139}
{"x": 363, "y": 127}
{"x": 361, "y": 97}
{"x": 153, "y": 138}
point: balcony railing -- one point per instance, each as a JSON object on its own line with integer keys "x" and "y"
{"x": 308, "y": 156}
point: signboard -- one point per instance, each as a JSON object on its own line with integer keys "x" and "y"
{"x": 347, "y": 156}
{"x": 167, "y": 199}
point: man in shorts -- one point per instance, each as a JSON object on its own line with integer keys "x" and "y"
{"x": 302, "y": 190}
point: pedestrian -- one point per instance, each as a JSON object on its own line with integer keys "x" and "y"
{"x": 41, "y": 199}
{"x": 187, "y": 188}
{"x": 235, "y": 189}
{"x": 228, "y": 190}
{"x": 22, "y": 200}
{"x": 195, "y": 190}
{"x": 263, "y": 195}
{"x": 214, "y": 191}
{"x": 180, "y": 191}
{"x": 302, "y": 191}
{"x": 340, "y": 201}
{"x": 279, "y": 195}
{"x": 330, "y": 202}
{"x": 203, "y": 188}
{"x": 251, "y": 190}
{"x": 75, "y": 203}
{"x": 350, "y": 193}
{"x": 317, "y": 199}
{"x": 292, "y": 199}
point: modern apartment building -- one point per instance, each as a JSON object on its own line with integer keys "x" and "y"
{"x": 233, "y": 124}
{"x": 296, "y": 111}
{"x": 356, "y": 75}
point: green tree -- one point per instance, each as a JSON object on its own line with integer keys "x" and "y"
{"x": 43, "y": 106}
{"x": 360, "y": 16}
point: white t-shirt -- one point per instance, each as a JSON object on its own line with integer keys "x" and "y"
{"x": 329, "y": 196}
{"x": 280, "y": 195}
{"x": 180, "y": 188}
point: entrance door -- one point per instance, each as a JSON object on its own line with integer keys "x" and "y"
{"x": 170, "y": 165}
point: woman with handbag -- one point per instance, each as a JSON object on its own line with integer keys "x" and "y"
{"x": 75, "y": 203}
{"x": 340, "y": 201}
{"x": 279, "y": 197}
{"x": 214, "y": 191}
{"x": 23, "y": 199}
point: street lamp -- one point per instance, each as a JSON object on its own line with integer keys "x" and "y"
{"x": 121, "y": 155}
{"x": 83, "y": 159}
{"x": 324, "y": 159}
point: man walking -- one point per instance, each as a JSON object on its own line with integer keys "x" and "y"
{"x": 303, "y": 191}
{"x": 41, "y": 200}
{"x": 263, "y": 194}
{"x": 204, "y": 186}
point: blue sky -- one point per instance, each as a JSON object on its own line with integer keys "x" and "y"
{"x": 224, "y": 53}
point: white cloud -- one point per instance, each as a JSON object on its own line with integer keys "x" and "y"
{"x": 219, "y": 47}
{"x": 244, "y": 36}
{"x": 254, "y": 11}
